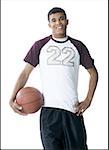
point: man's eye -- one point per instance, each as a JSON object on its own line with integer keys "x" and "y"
{"x": 62, "y": 18}
{"x": 53, "y": 20}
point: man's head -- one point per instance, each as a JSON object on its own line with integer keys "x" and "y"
{"x": 57, "y": 22}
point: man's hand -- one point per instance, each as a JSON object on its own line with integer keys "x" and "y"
{"x": 20, "y": 83}
{"x": 17, "y": 108}
{"x": 82, "y": 106}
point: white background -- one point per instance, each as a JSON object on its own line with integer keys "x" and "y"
{"x": 24, "y": 22}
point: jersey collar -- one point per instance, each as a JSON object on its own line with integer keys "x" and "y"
{"x": 60, "y": 40}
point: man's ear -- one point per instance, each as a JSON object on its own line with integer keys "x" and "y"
{"x": 49, "y": 25}
{"x": 67, "y": 21}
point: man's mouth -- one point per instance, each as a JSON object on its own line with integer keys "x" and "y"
{"x": 59, "y": 27}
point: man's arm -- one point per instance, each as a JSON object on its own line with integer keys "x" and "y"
{"x": 92, "y": 86}
{"x": 20, "y": 83}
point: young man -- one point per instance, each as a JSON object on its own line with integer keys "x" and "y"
{"x": 59, "y": 56}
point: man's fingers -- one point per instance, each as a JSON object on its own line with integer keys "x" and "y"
{"x": 18, "y": 109}
{"x": 80, "y": 109}
{"x": 80, "y": 112}
{"x": 17, "y": 106}
{"x": 20, "y": 113}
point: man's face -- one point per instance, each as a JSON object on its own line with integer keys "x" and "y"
{"x": 58, "y": 23}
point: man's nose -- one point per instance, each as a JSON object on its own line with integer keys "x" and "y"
{"x": 58, "y": 22}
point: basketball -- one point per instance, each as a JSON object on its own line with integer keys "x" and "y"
{"x": 30, "y": 99}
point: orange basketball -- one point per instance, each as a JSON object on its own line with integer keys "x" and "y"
{"x": 30, "y": 99}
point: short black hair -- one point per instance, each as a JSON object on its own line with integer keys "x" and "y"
{"x": 57, "y": 10}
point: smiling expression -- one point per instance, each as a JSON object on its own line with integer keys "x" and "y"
{"x": 58, "y": 23}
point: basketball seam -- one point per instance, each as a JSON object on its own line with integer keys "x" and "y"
{"x": 30, "y": 102}
{"x": 23, "y": 94}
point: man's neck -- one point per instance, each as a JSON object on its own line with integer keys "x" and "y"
{"x": 59, "y": 36}
{"x": 60, "y": 39}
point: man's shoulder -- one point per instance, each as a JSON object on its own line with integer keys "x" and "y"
{"x": 44, "y": 40}
{"x": 75, "y": 40}
{"x": 40, "y": 43}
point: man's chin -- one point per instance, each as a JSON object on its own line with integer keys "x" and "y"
{"x": 60, "y": 34}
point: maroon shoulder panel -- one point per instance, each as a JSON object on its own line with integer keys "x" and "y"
{"x": 32, "y": 56}
{"x": 85, "y": 57}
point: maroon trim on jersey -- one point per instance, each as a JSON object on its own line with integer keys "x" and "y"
{"x": 85, "y": 58}
{"x": 32, "y": 56}
{"x": 60, "y": 41}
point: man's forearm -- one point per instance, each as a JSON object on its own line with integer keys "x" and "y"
{"x": 92, "y": 83}
{"x": 19, "y": 84}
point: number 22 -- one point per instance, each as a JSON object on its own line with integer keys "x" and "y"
{"x": 56, "y": 52}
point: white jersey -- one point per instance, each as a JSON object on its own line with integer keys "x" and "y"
{"x": 59, "y": 63}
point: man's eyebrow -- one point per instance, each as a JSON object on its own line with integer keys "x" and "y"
{"x": 59, "y": 17}
{"x": 53, "y": 18}
{"x": 62, "y": 16}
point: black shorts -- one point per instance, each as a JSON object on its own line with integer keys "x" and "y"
{"x": 62, "y": 130}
